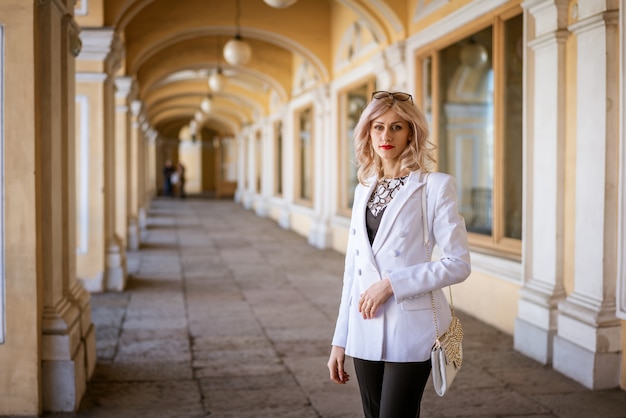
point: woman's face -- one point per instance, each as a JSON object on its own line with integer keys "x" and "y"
{"x": 390, "y": 135}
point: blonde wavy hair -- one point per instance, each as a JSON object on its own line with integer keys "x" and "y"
{"x": 418, "y": 155}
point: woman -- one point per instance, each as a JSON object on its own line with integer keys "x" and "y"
{"x": 385, "y": 320}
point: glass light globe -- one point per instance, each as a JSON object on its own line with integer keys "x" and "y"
{"x": 217, "y": 81}
{"x": 237, "y": 51}
{"x": 474, "y": 55}
{"x": 279, "y": 4}
{"x": 206, "y": 104}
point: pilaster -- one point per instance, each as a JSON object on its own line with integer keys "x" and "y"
{"x": 391, "y": 62}
{"x": 587, "y": 345}
{"x": 101, "y": 258}
{"x": 134, "y": 236}
{"x": 123, "y": 89}
{"x": 536, "y": 323}
{"x": 66, "y": 329}
{"x": 320, "y": 235}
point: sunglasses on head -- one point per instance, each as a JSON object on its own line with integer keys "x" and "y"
{"x": 400, "y": 96}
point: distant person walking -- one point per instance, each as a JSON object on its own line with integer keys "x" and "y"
{"x": 180, "y": 171}
{"x": 168, "y": 170}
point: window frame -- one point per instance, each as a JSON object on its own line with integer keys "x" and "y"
{"x": 496, "y": 243}
{"x": 278, "y": 158}
{"x": 297, "y": 152}
{"x": 258, "y": 162}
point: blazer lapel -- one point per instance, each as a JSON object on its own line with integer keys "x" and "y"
{"x": 414, "y": 182}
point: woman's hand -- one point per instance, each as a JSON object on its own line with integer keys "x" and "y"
{"x": 335, "y": 365}
{"x": 374, "y": 297}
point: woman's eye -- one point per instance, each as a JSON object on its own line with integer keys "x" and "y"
{"x": 396, "y": 127}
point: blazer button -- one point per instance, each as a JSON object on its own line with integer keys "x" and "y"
{"x": 394, "y": 253}
{"x": 359, "y": 272}
{"x": 356, "y": 252}
{"x": 353, "y": 231}
{"x": 402, "y": 234}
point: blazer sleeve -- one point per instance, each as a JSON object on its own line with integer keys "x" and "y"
{"x": 449, "y": 233}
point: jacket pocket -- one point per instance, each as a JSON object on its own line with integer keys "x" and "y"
{"x": 417, "y": 303}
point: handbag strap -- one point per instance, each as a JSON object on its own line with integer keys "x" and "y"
{"x": 428, "y": 255}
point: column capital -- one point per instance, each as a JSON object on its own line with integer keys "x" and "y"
{"x": 595, "y": 21}
{"x": 102, "y": 45}
{"x": 124, "y": 86}
{"x": 550, "y": 15}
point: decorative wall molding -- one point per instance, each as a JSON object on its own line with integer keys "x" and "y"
{"x": 2, "y": 259}
{"x": 451, "y": 23}
{"x": 426, "y": 7}
{"x": 82, "y": 168}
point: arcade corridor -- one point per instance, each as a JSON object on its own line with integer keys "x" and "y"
{"x": 228, "y": 315}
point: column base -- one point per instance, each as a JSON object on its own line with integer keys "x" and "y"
{"x": 63, "y": 369}
{"x": 587, "y": 347}
{"x": 95, "y": 284}
{"x": 81, "y": 299}
{"x": 319, "y": 237}
{"x": 247, "y": 201}
{"x": 533, "y": 342}
{"x": 142, "y": 219}
{"x": 133, "y": 234}
{"x": 63, "y": 383}
{"x": 284, "y": 219}
{"x": 261, "y": 208}
{"x": 591, "y": 369}
{"x": 115, "y": 270}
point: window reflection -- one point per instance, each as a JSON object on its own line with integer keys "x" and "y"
{"x": 512, "y": 140}
{"x": 355, "y": 101}
{"x": 467, "y": 128}
{"x": 278, "y": 157}
{"x": 306, "y": 154}
{"x": 471, "y": 93}
{"x": 258, "y": 150}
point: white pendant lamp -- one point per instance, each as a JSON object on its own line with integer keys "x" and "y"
{"x": 207, "y": 104}
{"x": 237, "y": 51}
{"x": 279, "y": 4}
{"x": 217, "y": 80}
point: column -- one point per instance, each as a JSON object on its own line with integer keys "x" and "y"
{"x": 134, "y": 237}
{"x": 320, "y": 235}
{"x": 587, "y": 345}
{"x": 536, "y": 323}
{"x": 123, "y": 89}
{"x": 77, "y": 293}
{"x": 101, "y": 255}
{"x": 42, "y": 357}
{"x": 66, "y": 329}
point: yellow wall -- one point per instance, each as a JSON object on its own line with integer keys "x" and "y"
{"x": 19, "y": 355}
{"x": 300, "y": 223}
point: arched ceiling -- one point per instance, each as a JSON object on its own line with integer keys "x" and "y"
{"x": 171, "y": 47}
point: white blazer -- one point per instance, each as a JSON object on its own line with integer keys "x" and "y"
{"x": 403, "y": 329}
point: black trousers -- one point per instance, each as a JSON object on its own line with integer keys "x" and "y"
{"x": 391, "y": 390}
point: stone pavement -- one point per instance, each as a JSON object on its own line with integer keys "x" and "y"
{"x": 228, "y": 315}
